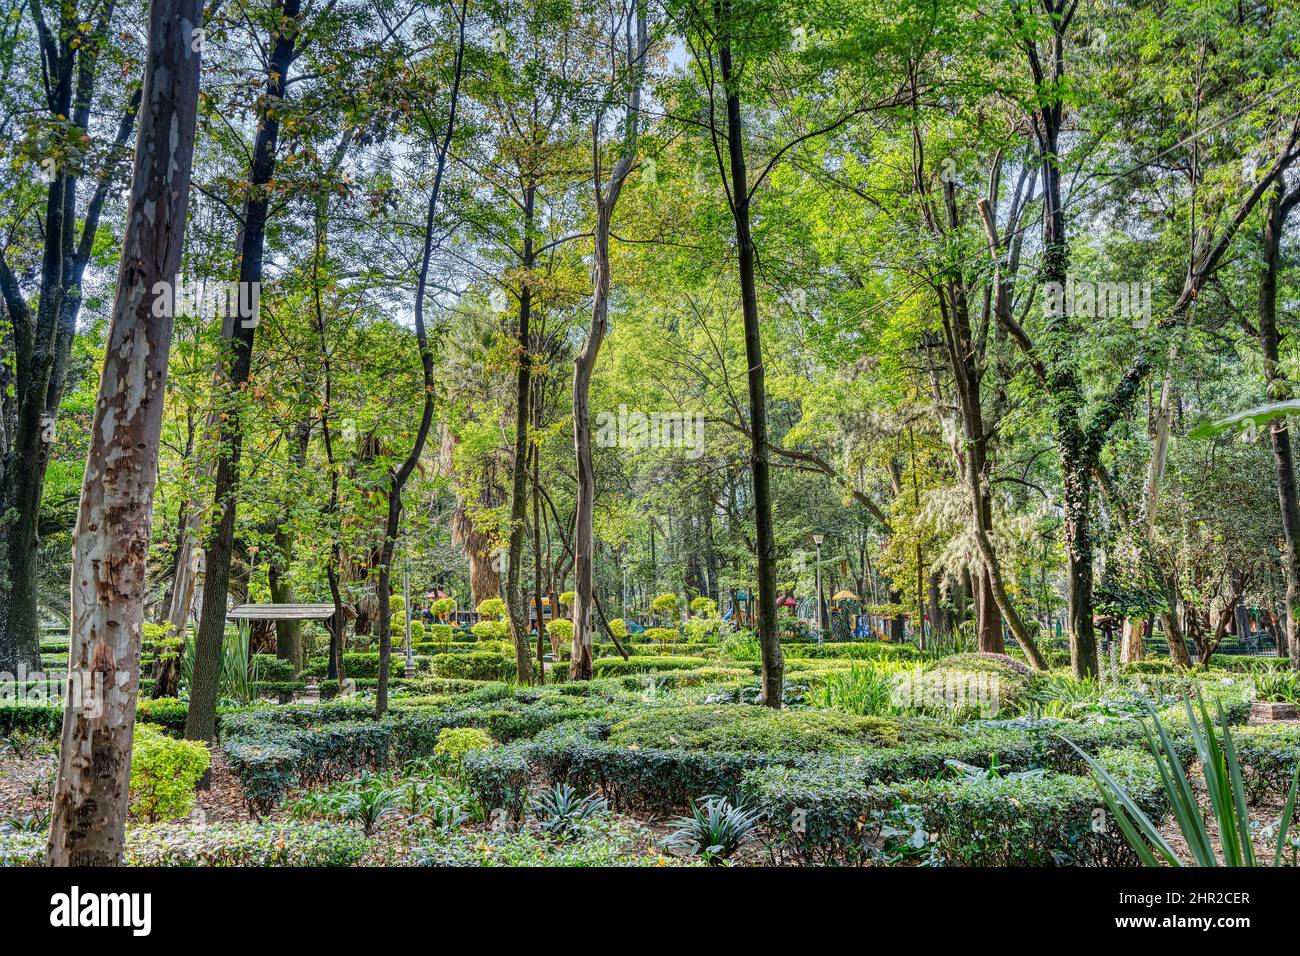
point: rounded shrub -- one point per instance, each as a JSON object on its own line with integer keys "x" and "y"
{"x": 493, "y": 609}
{"x": 164, "y": 773}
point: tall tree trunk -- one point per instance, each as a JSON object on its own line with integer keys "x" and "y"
{"x": 399, "y": 476}
{"x": 515, "y": 601}
{"x": 111, "y": 543}
{"x": 40, "y": 343}
{"x": 585, "y": 363}
{"x": 200, "y": 722}
{"x": 1279, "y": 389}
{"x": 773, "y": 664}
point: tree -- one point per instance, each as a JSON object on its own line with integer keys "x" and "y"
{"x": 631, "y": 20}
{"x": 74, "y": 53}
{"x": 112, "y": 536}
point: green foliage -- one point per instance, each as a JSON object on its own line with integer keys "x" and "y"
{"x": 492, "y": 609}
{"x": 704, "y": 607}
{"x": 455, "y": 742}
{"x": 561, "y": 630}
{"x": 763, "y": 730}
{"x": 600, "y": 843}
{"x": 715, "y": 829}
{"x": 561, "y": 812}
{"x": 490, "y": 630}
{"x": 476, "y": 666}
{"x": 1233, "y": 843}
{"x": 164, "y": 773}
{"x": 618, "y": 627}
{"x": 664, "y": 603}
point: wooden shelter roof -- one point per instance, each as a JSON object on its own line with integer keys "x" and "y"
{"x": 282, "y": 612}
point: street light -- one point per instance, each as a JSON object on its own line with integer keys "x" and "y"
{"x": 818, "y": 538}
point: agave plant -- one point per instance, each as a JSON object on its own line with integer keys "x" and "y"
{"x": 560, "y": 811}
{"x": 1223, "y": 783}
{"x": 38, "y": 822}
{"x": 369, "y": 806}
{"x": 233, "y": 679}
{"x": 716, "y": 828}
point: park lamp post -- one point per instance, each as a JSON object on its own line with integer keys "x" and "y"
{"x": 818, "y": 538}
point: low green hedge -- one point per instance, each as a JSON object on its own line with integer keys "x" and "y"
{"x": 660, "y": 760}
{"x": 1268, "y": 758}
{"x": 474, "y": 666}
{"x": 855, "y": 650}
{"x": 365, "y": 664}
{"x": 47, "y": 718}
{"x": 272, "y": 749}
{"x": 834, "y": 812}
{"x": 270, "y": 668}
{"x": 608, "y": 666}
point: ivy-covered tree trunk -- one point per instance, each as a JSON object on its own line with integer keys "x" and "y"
{"x": 111, "y": 542}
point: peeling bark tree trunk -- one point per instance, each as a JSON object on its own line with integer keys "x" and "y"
{"x": 111, "y": 542}
{"x": 585, "y": 363}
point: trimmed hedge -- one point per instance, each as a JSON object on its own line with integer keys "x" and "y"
{"x": 607, "y": 666}
{"x": 833, "y": 812}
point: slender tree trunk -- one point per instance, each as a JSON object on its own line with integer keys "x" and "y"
{"x": 585, "y": 363}
{"x": 515, "y": 601}
{"x": 111, "y": 543}
{"x": 400, "y": 475}
{"x": 40, "y": 344}
{"x": 773, "y": 664}
{"x": 1279, "y": 389}
{"x": 200, "y": 722}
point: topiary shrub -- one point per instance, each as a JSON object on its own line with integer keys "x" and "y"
{"x": 561, "y": 630}
{"x": 268, "y": 667}
{"x": 969, "y": 685}
{"x": 664, "y": 604}
{"x": 704, "y": 607}
{"x": 490, "y": 630}
{"x": 455, "y": 742}
{"x": 476, "y": 666}
{"x": 660, "y": 635}
{"x": 164, "y": 773}
{"x": 493, "y": 609}
{"x": 165, "y": 712}
{"x": 569, "y": 598}
{"x": 618, "y": 627}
